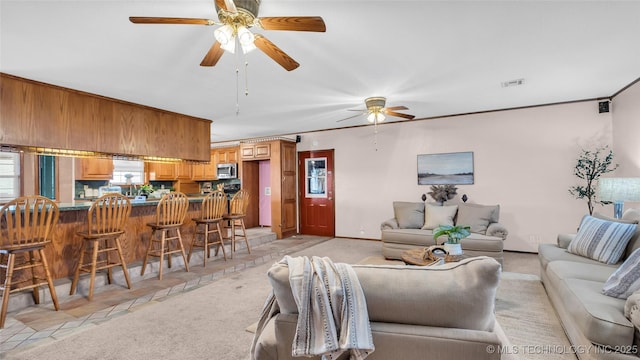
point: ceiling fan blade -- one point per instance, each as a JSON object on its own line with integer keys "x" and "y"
{"x": 362, "y": 112}
{"x": 397, "y": 108}
{"x": 169, "y": 20}
{"x": 396, "y": 114}
{"x": 213, "y": 55}
{"x": 275, "y": 53}
{"x": 293, "y": 23}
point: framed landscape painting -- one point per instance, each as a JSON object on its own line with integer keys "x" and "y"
{"x": 446, "y": 168}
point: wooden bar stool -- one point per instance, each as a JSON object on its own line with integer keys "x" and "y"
{"x": 213, "y": 208}
{"x": 170, "y": 215}
{"x": 25, "y": 229}
{"x": 106, "y": 220}
{"x": 237, "y": 212}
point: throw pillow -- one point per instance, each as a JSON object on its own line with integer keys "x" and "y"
{"x": 410, "y": 215}
{"x": 630, "y": 216}
{"x": 626, "y": 279}
{"x": 601, "y": 240}
{"x": 495, "y": 214}
{"x": 435, "y": 216}
{"x": 476, "y": 216}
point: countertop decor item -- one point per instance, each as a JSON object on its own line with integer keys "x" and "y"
{"x": 145, "y": 190}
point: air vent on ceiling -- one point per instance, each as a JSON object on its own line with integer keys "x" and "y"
{"x": 516, "y": 82}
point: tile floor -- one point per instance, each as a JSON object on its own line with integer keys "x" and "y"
{"x": 35, "y": 323}
{"x": 39, "y": 323}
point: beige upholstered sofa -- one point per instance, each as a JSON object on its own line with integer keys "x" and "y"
{"x": 595, "y": 323}
{"x": 413, "y": 223}
{"x": 433, "y": 321}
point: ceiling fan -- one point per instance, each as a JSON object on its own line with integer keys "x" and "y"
{"x": 236, "y": 18}
{"x": 376, "y": 111}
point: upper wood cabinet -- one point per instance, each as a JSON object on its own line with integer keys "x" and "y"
{"x": 227, "y": 155}
{"x": 202, "y": 172}
{"x": 255, "y": 151}
{"x": 161, "y": 171}
{"x": 94, "y": 169}
{"x": 43, "y": 115}
{"x": 183, "y": 171}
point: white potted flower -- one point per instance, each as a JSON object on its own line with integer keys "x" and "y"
{"x": 454, "y": 235}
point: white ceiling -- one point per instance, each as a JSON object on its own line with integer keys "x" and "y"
{"x": 435, "y": 57}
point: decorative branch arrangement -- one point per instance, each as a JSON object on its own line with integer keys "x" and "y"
{"x": 442, "y": 193}
{"x": 592, "y": 164}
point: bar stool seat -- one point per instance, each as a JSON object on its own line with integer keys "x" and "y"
{"x": 208, "y": 225}
{"x": 106, "y": 220}
{"x": 235, "y": 217}
{"x": 170, "y": 214}
{"x": 25, "y": 230}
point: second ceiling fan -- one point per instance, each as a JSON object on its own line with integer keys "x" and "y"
{"x": 376, "y": 111}
{"x": 236, "y": 20}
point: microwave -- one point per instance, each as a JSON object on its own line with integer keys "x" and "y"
{"x": 227, "y": 171}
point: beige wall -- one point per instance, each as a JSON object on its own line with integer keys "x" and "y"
{"x": 523, "y": 161}
{"x": 626, "y": 128}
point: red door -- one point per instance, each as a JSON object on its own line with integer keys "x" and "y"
{"x": 315, "y": 186}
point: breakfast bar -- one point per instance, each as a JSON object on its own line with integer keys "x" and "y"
{"x": 62, "y": 253}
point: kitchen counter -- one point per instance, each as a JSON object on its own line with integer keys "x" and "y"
{"x": 84, "y": 204}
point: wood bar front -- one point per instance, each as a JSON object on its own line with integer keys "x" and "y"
{"x": 63, "y": 252}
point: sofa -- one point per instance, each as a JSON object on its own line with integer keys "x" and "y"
{"x": 596, "y": 323}
{"x": 407, "y": 321}
{"x": 413, "y": 223}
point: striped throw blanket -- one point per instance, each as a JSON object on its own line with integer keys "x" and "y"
{"x": 332, "y": 310}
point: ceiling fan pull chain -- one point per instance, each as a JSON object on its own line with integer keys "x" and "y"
{"x": 375, "y": 135}
{"x": 237, "y": 91}
{"x": 246, "y": 78}
{"x": 237, "y": 86}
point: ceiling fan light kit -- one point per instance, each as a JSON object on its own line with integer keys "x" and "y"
{"x": 377, "y": 112}
{"x": 237, "y": 18}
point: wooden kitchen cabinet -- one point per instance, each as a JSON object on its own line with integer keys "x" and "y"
{"x": 227, "y": 155}
{"x": 255, "y": 151}
{"x": 94, "y": 169}
{"x": 204, "y": 172}
{"x": 283, "y": 167}
{"x": 161, "y": 171}
{"x": 183, "y": 171}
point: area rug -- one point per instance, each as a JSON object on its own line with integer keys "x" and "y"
{"x": 210, "y": 322}
{"x": 529, "y": 320}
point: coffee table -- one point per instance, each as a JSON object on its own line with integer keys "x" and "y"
{"x": 416, "y": 257}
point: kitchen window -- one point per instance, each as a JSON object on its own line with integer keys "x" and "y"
{"x": 9, "y": 176}
{"x": 128, "y": 172}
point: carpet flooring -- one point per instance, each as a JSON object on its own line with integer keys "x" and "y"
{"x": 210, "y": 322}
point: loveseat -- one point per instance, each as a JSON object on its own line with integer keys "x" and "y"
{"x": 596, "y": 324}
{"x": 434, "y": 321}
{"x": 413, "y": 223}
